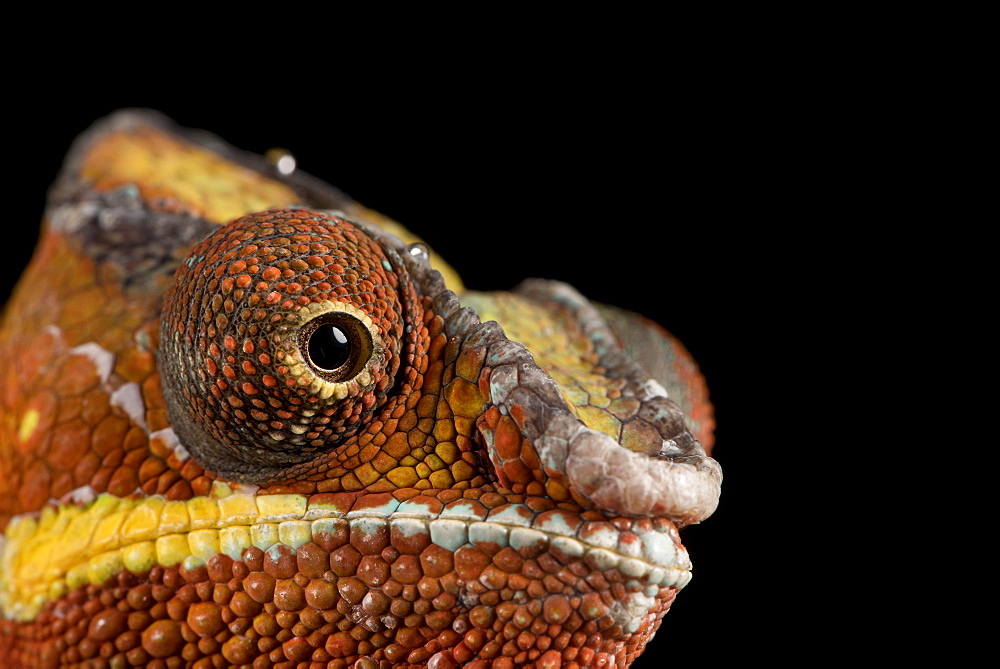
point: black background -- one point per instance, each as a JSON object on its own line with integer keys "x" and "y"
{"x": 671, "y": 206}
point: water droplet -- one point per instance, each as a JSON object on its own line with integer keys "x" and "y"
{"x": 282, "y": 159}
{"x": 419, "y": 251}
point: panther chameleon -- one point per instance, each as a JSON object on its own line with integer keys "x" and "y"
{"x": 245, "y": 421}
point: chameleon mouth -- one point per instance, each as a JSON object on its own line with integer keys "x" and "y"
{"x": 685, "y": 488}
{"x": 45, "y": 556}
{"x": 667, "y": 474}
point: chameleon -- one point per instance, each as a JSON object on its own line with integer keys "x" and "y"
{"x": 246, "y": 421}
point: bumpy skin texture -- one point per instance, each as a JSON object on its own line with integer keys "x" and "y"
{"x": 182, "y": 483}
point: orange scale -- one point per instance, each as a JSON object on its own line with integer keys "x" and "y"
{"x": 135, "y": 364}
{"x": 413, "y": 544}
{"x": 123, "y": 481}
{"x": 525, "y": 640}
{"x": 99, "y": 481}
{"x": 535, "y": 489}
{"x": 406, "y": 569}
{"x": 110, "y": 434}
{"x": 507, "y": 439}
{"x": 82, "y": 309}
{"x": 410, "y": 638}
{"x": 529, "y": 456}
{"x": 438, "y": 620}
{"x": 69, "y": 444}
{"x": 62, "y": 483}
{"x": 313, "y": 261}
{"x": 432, "y": 505}
{"x": 370, "y": 540}
{"x": 508, "y": 560}
{"x": 64, "y": 409}
{"x": 519, "y": 474}
{"x": 518, "y": 582}
{"x": 36, "y": 482}
{"x": 470, "y": 362}
{"x": 493, "y": 577}
{"x": 78, "y": 375}
{"x": 470, "y": 563}
{"x": 85, "y": 470}
{"x": 46, "y": 406}
{"x": 491, "y": 500}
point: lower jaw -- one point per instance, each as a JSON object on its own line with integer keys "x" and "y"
{"x": 386, "y": 606}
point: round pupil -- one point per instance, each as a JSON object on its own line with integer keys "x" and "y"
{"x": 329, "y": 347}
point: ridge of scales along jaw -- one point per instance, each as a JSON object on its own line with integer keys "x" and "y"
{"x": 45, "y": 560}
{"x": 267, "y": 407}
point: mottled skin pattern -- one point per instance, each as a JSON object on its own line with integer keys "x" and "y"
{"x": 183, "y": 484}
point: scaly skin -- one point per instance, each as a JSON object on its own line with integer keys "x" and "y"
{"x": 182, "y": 485}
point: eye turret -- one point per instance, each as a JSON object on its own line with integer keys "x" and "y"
{"x": 280, "y": 336}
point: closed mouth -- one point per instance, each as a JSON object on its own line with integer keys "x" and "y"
{"x": 46, "y": 555}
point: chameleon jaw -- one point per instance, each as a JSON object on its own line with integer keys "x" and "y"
{"x": 69, "y": 547}
{"x": 672, "y": 477}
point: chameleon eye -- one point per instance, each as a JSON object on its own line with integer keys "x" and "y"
{"x": 335, "y": 346}
{"x": 280, "y": 337}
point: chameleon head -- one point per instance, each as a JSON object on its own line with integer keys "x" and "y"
{"x": 490, "y": 480}
{"x": 281, "y": 334}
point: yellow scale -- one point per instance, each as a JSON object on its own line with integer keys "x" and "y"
{"x": 71, "y": 546}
